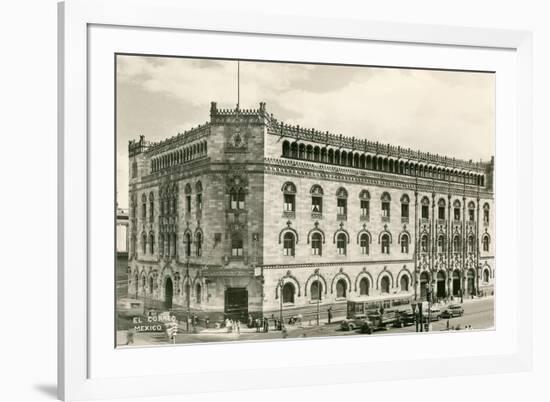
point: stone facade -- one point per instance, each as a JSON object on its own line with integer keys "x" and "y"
{"x": 248, "y": 215}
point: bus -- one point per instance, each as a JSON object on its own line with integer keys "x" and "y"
{"x": 380, "y": 310}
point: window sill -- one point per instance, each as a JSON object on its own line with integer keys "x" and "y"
{"x": 341, "y": 217}
{"x": 316, "y": 215}
{"x": 340, "y": 299}
{"x": 364, "y": 218}
{"x": 315, "y": 301}
{"x": 404, "y": 220}
{"x": 289, "y": 214}
{"x": 385, "y": 218}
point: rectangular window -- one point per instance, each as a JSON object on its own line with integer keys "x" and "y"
{"x": 441, "y": 213}
{"x": 386, "y": 209}
{"x": 364, "y": 208}
{"x": 471, "y": 215}
{"x": 233, "y": 201}
{"x": 486, "y": 216}
{"x": 237, "y": 248}
{"x": 425, "y": 212}
{"x": 317, "y": 204}
{"x": 457, "y": 214}
{"x": 289, "y": 200}
{"x": 188, "y": 204}
{"x": 143, "y": 211}
{"x": 152, "y": 212}
{"x": 404, "y": 210}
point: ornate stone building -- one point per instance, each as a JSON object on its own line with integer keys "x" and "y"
{"x": 246, "y": 214}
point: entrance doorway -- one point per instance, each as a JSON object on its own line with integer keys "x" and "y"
{"x": 470, "y": 283}
{"x": 456, "y": 283}
{"x": 168, "y": 293}
{"x": 236, "y": 304}
{"x": 440, "y": 289}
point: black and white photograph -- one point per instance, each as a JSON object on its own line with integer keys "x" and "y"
{"x": 272, "y": 200}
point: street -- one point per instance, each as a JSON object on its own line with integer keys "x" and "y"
{"x": 478, "y": 313}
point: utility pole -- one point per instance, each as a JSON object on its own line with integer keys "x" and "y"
{"x": 318, "y": 294}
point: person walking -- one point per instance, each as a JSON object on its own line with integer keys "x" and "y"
{"x": 266, "y": 325}
{"x": 238, "y": 327}
{"x": 329, "y": 313}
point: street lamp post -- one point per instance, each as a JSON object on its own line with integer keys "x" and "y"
{"x": 318, "y": 294}
{"x": 429, "y": 299}
{"x": 281, "y": 282}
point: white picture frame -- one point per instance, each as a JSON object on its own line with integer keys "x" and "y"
{"x": 80, "y": 378}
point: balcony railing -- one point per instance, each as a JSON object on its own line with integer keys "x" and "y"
{"x": 385, "y": 218}
{"x": 316, "y": 215}
{"x": 289, "y": 214}
{"x": 365, "y": 218}
{"x": 404, "y": 219}
{"x": 341, "y": 217}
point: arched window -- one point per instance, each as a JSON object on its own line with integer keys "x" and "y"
{"x": 134, "y": 168}
{"x": 236, "y": 245}
{"x": 315, "y": 290}
{"x": 316, "y": 244}
{"x": 385, "y": 199}
{"x": 341, "y": 202}
{"x": 456, "y": 244}
{"x": 236, "y": 199}
{"x": 288, "y": 293}
{"x": 404, "y": 243}
{"x": 198, "y": 293}
{"x": 471, "y": 244}
{"x": 174, "y": 244}
{"x": 341, "y": 244}
{"x": 341, "y": 288}
{"x": 144, "y": 207}
{"x": 198, "y": 187}
{"x": 485, "y": 243}
{"x": 385, "y": 284}
{"x": 385, "y": 243}
{"x": 425, "y": 211}
{"x": 364, "y": 287}
{"x": 441, "y": 244}
{"x": 486, "y": 276}
{"x": 424, "y": 243}
{"x": 144, "y": 243}
{"x": 151, "y": 285}
{"x": 286, "y": 149}
{"x": 288, "y": 244}
{"x": 404, "y": 283}
{"x": 188, "y": 244}
{"x": 198, "y": 244}
{"x": 471, "y": 211}
{"x": 405, "y": 208}
{"x": 364, "y": 243}
{"x": 364, "y": 204}
{"x": 151, "y": 207}
{"x": 486, "y": 213}
{"x": 289, "y": 197}
{"x": 441, "y": 209}
{"x": 151, "y": 243}
{"x": 316, "y": 199}
{"x": 456, "y": 209}
{"x": 161, "y": 245}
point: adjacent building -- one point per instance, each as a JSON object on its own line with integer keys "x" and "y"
{"x": 247, "y": 214}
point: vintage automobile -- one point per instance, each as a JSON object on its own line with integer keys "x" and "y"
{"x": 358, "y": 321}
{"x": 454, "y": 310}
{"x": 405, "y": 318}
{"x": 434, "y": 314}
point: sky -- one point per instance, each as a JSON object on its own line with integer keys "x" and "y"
{"x": 447, "y": 112}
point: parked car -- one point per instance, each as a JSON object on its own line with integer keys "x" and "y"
{"x": 405, "y": 318}
{"x": 382, "y": 320}
{"x": 354, "y": 323}
{"x": 434, "y": 314}
{"x": 454, "y": 310}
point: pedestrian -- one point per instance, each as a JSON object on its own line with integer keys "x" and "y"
{"x": 258, "y": 324}
{"x": 250, "y": 321}
{"x": 329, "y": 313}
{"x": 266, "y": 325}
{"x": 284, "y": 332}
{"x": 207, "y": 322}
{"x": 129, "y": 337}
{"x": 238, "y": 325}
{"x": 448, "y": 323}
